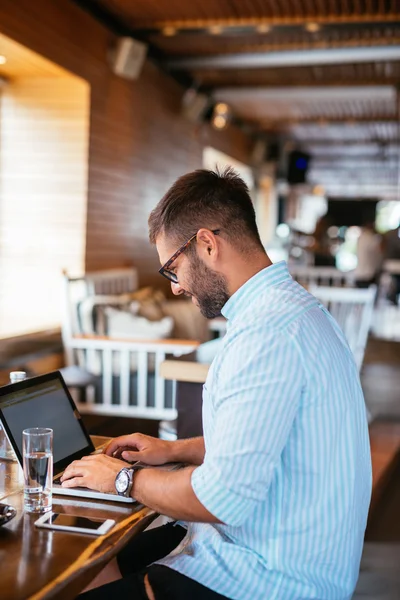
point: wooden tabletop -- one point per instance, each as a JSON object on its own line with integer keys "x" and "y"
{"x": 38, "y": 564}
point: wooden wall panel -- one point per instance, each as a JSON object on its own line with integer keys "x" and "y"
{"x": 139, "y": 142}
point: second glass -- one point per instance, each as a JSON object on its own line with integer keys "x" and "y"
{"x": 37, "y": 447}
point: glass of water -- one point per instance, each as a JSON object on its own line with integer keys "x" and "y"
{"x": 37, "y": 448}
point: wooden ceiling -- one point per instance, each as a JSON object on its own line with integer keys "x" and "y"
{"x": 319, "y": 73}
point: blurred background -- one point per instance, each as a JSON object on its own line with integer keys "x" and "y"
{"x": 104, "y": 103}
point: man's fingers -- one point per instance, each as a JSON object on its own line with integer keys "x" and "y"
{"x": 72, "y": 471}
{"x": 74, "y": 482}
{"x": 118, "y": 453}
{"x": 125, "y": 441}
{"x": 131, "y": 456}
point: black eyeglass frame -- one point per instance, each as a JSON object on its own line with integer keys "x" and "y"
{"x": 164, "y": 269}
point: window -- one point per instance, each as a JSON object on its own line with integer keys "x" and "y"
{"x": 44, "y": 124}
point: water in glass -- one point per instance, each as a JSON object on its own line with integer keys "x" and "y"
{"x": 38, "y": 474}
{"x": 37, "y": 444}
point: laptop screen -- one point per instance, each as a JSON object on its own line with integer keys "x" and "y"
{"x": 44, "y": 401}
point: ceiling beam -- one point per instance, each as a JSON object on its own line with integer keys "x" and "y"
{"x": 260, "y": 60}
{"x": 328, "y": 121}
{"x": 350, "y": 163}
{"x": 318, "y": 145}
{"x": 153, "y": 26}
{"x": 305, "y": 93}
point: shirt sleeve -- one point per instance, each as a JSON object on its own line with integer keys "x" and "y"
{"x": 256, "y": 398}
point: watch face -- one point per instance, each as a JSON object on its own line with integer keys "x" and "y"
{"x": 122, "y": 482}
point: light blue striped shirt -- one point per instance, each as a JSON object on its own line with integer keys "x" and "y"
{"x": 287, "y": 466}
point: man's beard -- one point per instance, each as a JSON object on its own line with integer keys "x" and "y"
{"x": 209, "y": 288}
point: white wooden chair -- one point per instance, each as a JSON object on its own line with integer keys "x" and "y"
{"x": 305, "y": 275}
{"x": 324, "y": 276}
{"x": 127, "y": 371}
{"x": 217, "y": 326}
{"x": 353, "y": 309}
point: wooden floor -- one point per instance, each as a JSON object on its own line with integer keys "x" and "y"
{"x": 380, "y": 379}
{"x": 380, "y": 566}
{"x": 385, "y": 450}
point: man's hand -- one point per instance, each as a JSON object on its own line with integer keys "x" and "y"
{"x": 97, "y": 472}
{"x": 138, "y": 446}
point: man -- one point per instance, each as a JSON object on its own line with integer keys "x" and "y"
{"x": 369, "y": 256}
{"x": 274, "y": 503}
{"x": 391, "y": 251}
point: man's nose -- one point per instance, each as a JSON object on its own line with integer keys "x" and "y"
{"x": 176, "y": 289}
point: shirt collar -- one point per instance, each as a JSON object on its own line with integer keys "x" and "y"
{"x": 264, "y": 279}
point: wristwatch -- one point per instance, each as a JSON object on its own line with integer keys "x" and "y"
{"x": 124, "y": 481}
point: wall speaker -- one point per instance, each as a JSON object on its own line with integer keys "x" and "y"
{"x": 127, "y": 57}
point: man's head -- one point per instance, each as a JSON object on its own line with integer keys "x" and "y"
{"x": 201, "y": 227}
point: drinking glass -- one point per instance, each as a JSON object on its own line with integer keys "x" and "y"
{"x": 37, "y": 448}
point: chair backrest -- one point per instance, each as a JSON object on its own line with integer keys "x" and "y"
{"x": 76, "y": 288}
{"x": 127, "y": 371}
{"x": 324, "y": 276}
{"x": 352, "y": 308}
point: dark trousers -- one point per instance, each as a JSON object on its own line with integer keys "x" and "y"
{"x": 135, "y": 561}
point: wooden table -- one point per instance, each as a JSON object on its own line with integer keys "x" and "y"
{"x": 38, "y": 564}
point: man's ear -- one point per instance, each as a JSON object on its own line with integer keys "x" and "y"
{"x": 207, "y": 244}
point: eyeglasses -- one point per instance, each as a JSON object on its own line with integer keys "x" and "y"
{"x": 165, "y": 268}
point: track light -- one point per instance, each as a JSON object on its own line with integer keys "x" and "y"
{"x": 263, "y": 28}
{"x": 312, "y": 27}
{"x": 221, "y": 115}
{"x": 215, "y": 29}
{"x": 169, "y": 31}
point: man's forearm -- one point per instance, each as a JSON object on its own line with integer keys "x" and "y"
{"x": 171, "y": 494}
{"x": 189, "y": 451}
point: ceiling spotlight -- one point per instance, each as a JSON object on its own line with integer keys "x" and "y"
{"x": 169, "y": 31}
{"x": 221, "y": 108}
{"x": 219, "y": 122}
{"x": 215, "y": 29}
{"x": 263, "y": 28}
{"x": 221, "y": 116}
{"x": 3, "y": 60}
{"x": 312, "y": 27}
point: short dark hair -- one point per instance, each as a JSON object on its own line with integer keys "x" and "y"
{"x": 211, "y": 199}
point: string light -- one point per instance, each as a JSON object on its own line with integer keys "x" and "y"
{"x": 215, "y": 29}
{"x": 263, "y": 28}
{"x": 312, "y": 27}
{"x": 169, "y": 31}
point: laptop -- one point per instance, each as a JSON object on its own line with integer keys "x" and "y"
{"x": 45, "y": 401}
